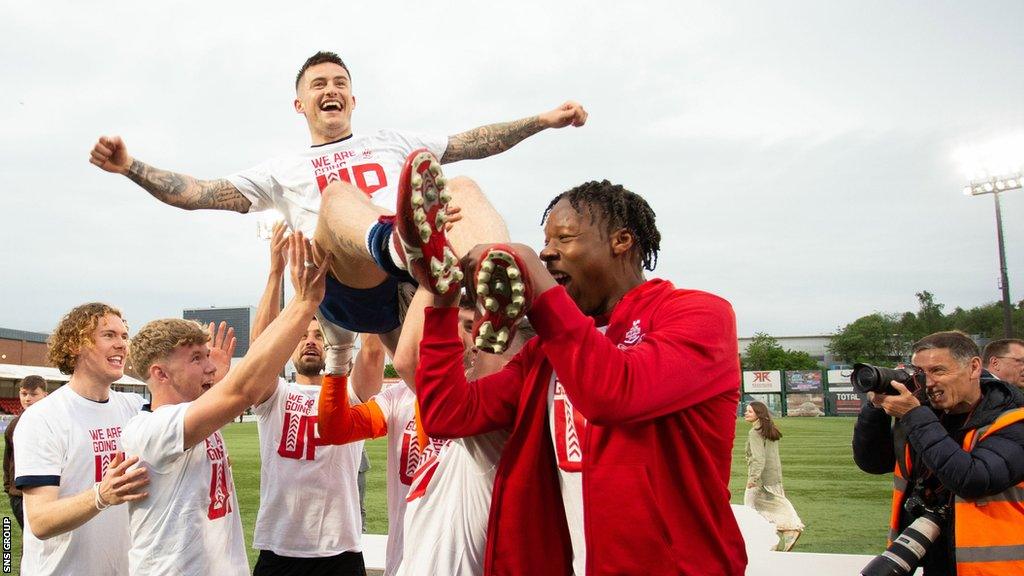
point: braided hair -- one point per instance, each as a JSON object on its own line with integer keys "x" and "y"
{"x": 619, "y": 208}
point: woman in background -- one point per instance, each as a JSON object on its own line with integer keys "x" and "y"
{"x": 764, "y": 477}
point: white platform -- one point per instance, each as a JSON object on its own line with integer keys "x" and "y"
{"x": 760, "y": 538}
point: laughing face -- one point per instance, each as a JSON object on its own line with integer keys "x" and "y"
{"x": 578, "y": 254}
{"x": 308, "y": 357}
{"x": 104, "y": 358}
{"x": 325, "y": 98}
{"x": 952, "y": 386}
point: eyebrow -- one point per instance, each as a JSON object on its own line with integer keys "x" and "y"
{"x": 325, "y": 78}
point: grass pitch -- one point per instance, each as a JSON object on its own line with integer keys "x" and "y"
{"x": 845, "y": 510}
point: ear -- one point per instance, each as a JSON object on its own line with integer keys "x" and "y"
{"x": 622, "y": 241}
{"x": 298, "y": 106}
{"x": 975, "y": 366}
{"x": 157, "y": 374}
{"x": 353, "y": 101}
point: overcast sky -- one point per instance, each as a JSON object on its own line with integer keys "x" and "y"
{"x": 799, "y": 155}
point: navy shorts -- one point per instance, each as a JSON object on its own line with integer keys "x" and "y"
{"x": 364, "y": 310}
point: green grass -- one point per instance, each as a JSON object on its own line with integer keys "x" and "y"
{"x": 845, "y": 510}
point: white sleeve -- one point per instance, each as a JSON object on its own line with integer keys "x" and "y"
{"x": 157, "y": 438}
{"x": 258, "y": 185}
{"x": 40, "y": 451}
{"x": 437, "y": 144}
{"x": 271, "y": 405}
{"x": 388, "y": 400}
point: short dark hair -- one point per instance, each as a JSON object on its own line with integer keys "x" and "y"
{"x": 999, "y": 348}
{"x": 959, "y": 344}
{"x": 32, "y": 382}
{"x": 619, "y": 208}
{"x": 319, "y": 58}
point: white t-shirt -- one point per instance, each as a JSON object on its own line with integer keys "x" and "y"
{"x": 66, "y": 440}
{"x": 398, "y": 405}
{"x": 446, "y": 526}
{"x": 292, "y": 184}
{"x": 190, "y": 523}
{"x": 567, "y": 426}
{"x": 309, "y": 496}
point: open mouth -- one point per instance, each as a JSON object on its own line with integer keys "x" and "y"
{"x": 560, "y": 277}
{"x": 331, "y": 106}
{"x": 936, "y": 395}
{"x": 116, "y": 361}
{"x": 207, "y": 385}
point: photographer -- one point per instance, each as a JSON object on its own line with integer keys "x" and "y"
{"x": 959, "y": 458}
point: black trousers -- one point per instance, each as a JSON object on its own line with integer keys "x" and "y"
{"x": 344, "y": 564}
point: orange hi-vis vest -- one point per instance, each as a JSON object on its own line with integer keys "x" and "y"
{"x": 989, "y": 531}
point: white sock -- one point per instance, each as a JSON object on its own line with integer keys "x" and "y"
{"x": 396, "y": 258}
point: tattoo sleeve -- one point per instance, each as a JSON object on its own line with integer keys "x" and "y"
{"x": 489, "y": 140}
{"x": 187, "y": 192}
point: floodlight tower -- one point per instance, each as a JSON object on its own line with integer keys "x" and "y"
{"x": 994, "y": 185}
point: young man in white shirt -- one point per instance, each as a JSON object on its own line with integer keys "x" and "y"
{"x": 391, "y": 413}
{"x": 341, "y": 188}
{"x": 450, "y": 498}
{"x": 309, "y": 518}
{"x": 190, "y": 523}
{"x": 68, "y": 457}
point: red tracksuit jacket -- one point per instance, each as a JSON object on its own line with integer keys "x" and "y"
{"x": 659, "y": 390}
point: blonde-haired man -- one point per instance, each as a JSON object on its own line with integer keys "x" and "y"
{"x": 190, "y": 523}
{"x": 68, "y": 455}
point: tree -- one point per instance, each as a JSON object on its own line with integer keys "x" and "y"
{"x": 874, "y": 339}
{"x": 765, "y": 353}
{"x": 887, "y": 338}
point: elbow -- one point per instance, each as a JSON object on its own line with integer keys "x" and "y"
{"x": 435, "y": 427}
{"x": 42, "y": 530}
{"x": 405, "y": 362}
{"x": 871, "y": 463}
{"x": 606, "y": 412}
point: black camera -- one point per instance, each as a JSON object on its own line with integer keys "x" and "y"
{"x": 906, "y": 551}
{"x": 867, "y": 378}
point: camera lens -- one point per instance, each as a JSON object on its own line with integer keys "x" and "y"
{"x": 865, "y": 378}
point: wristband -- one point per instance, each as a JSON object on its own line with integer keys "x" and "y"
{"x": 100, "y": 504}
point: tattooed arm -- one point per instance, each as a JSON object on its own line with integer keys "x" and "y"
{"x": 172, "y": 188}
{"x": 496, "y": 138}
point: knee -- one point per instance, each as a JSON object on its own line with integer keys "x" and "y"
{"x": 463, "y": 186}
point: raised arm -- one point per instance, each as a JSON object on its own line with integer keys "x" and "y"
{"x": 450, "y": 406}
{"x": 110, "y": 154}
{"x": 270, "y": 303}
{"x": 496, "y": 138}
{"x": 250, "y": 380}
{"x": 338, "y": 422}
{"x": 368, "y": 372}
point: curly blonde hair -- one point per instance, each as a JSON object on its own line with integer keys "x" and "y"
{"x": 157, "y": 339}
{"x": 74, "y": 332}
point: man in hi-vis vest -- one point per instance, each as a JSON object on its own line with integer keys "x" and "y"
{"x": 956, "y": 452}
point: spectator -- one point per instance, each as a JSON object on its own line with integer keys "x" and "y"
{"x": 764, "y": 477}
{"x": 1004, "y": 359}
{"x": 30, "y": 390}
